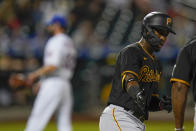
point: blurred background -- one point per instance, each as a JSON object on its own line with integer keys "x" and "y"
{"x": 99, "y": 28}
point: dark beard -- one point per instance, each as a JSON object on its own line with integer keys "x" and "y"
{"x": 156, "y": 46}
{"x": 48, "y": 33}
{"x": 154, "y": 43}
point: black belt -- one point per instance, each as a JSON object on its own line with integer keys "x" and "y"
{"x": 139, "y": 116}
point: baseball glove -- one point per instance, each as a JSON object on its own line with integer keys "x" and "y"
{"x": 17, "y": 80}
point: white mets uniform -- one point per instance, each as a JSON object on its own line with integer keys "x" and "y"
{"x": 55, "y": 92}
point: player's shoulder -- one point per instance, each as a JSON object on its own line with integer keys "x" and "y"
{"x": 131, "y": 48}
{"x": 191, "y": 43}
{"x": 190, "y": 46}
{"x": 61, "y": 39}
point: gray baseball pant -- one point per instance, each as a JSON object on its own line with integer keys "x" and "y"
{"x": 116, "y": 118}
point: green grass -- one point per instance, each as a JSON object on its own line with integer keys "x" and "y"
{"x": 165, "y": 126}
{"x": 93, "y": 126}
{"x": 79, "y": 126}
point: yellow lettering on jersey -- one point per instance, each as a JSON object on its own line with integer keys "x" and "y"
{"x": 147, "y": 75}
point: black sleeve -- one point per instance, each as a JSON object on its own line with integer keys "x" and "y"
{"x": 130, "y": 61}
{"x": 154, "y": 104}
{"x": 183, "y": 69}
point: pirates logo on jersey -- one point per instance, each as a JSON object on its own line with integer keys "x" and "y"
{"x": 148, "y": 75}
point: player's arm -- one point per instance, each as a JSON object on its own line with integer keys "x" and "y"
{"x": 181, "y": 78}
{"x": 131, "y": 85}
{"x": 40, "y": 72}
{"x": 179, "y": 96}
{"x": 130, "y": 64}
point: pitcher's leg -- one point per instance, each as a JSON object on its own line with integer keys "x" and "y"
{"x": 65, "y": 110}
{"x": 44, "y": 106}
{"x": 64, "y": 118}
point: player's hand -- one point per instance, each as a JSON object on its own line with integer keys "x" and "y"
{"x": 17, "y": 80}
{"x": 36, "y": 87}
{"x": 31, "y": 79}
{"x": 165, "y": 103}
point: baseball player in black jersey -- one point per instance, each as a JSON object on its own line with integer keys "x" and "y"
{"x": 135, "y": 86}
{"x": 184, "y": 76}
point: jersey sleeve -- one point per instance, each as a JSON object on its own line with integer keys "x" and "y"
{"x": 130, "y": 62}
{"x": 182, "y": 70}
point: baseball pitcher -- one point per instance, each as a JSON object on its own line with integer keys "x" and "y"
{"x": 55, "y": 93}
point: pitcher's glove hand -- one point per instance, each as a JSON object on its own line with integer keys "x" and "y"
{"x": 165, "y": 103}
{"x": 17, "y": 80}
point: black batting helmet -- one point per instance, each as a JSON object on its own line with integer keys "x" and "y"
{"x": 156, "y": 20}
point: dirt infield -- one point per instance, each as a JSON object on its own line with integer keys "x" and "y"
{"x": 21, "y": 113}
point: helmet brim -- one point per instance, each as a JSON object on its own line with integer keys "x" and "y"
{"x": 164, "y": 28}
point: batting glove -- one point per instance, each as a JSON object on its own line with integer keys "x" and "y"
{"x": 165, "y": 103}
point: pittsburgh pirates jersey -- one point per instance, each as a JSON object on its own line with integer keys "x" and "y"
{"x": 60, "y": 52}
{"x": 185, "y": 69}
{"x": 137, "y": 61}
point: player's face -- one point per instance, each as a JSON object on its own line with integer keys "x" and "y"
{"x": 53, "y": 28}
{"x": 162, "y": 34}
{"x": 50, "y": 29}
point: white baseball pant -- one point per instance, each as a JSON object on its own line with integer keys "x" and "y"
{"x": 55, "y": 95}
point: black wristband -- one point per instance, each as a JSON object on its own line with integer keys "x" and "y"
{"x": 133, "y": 91}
